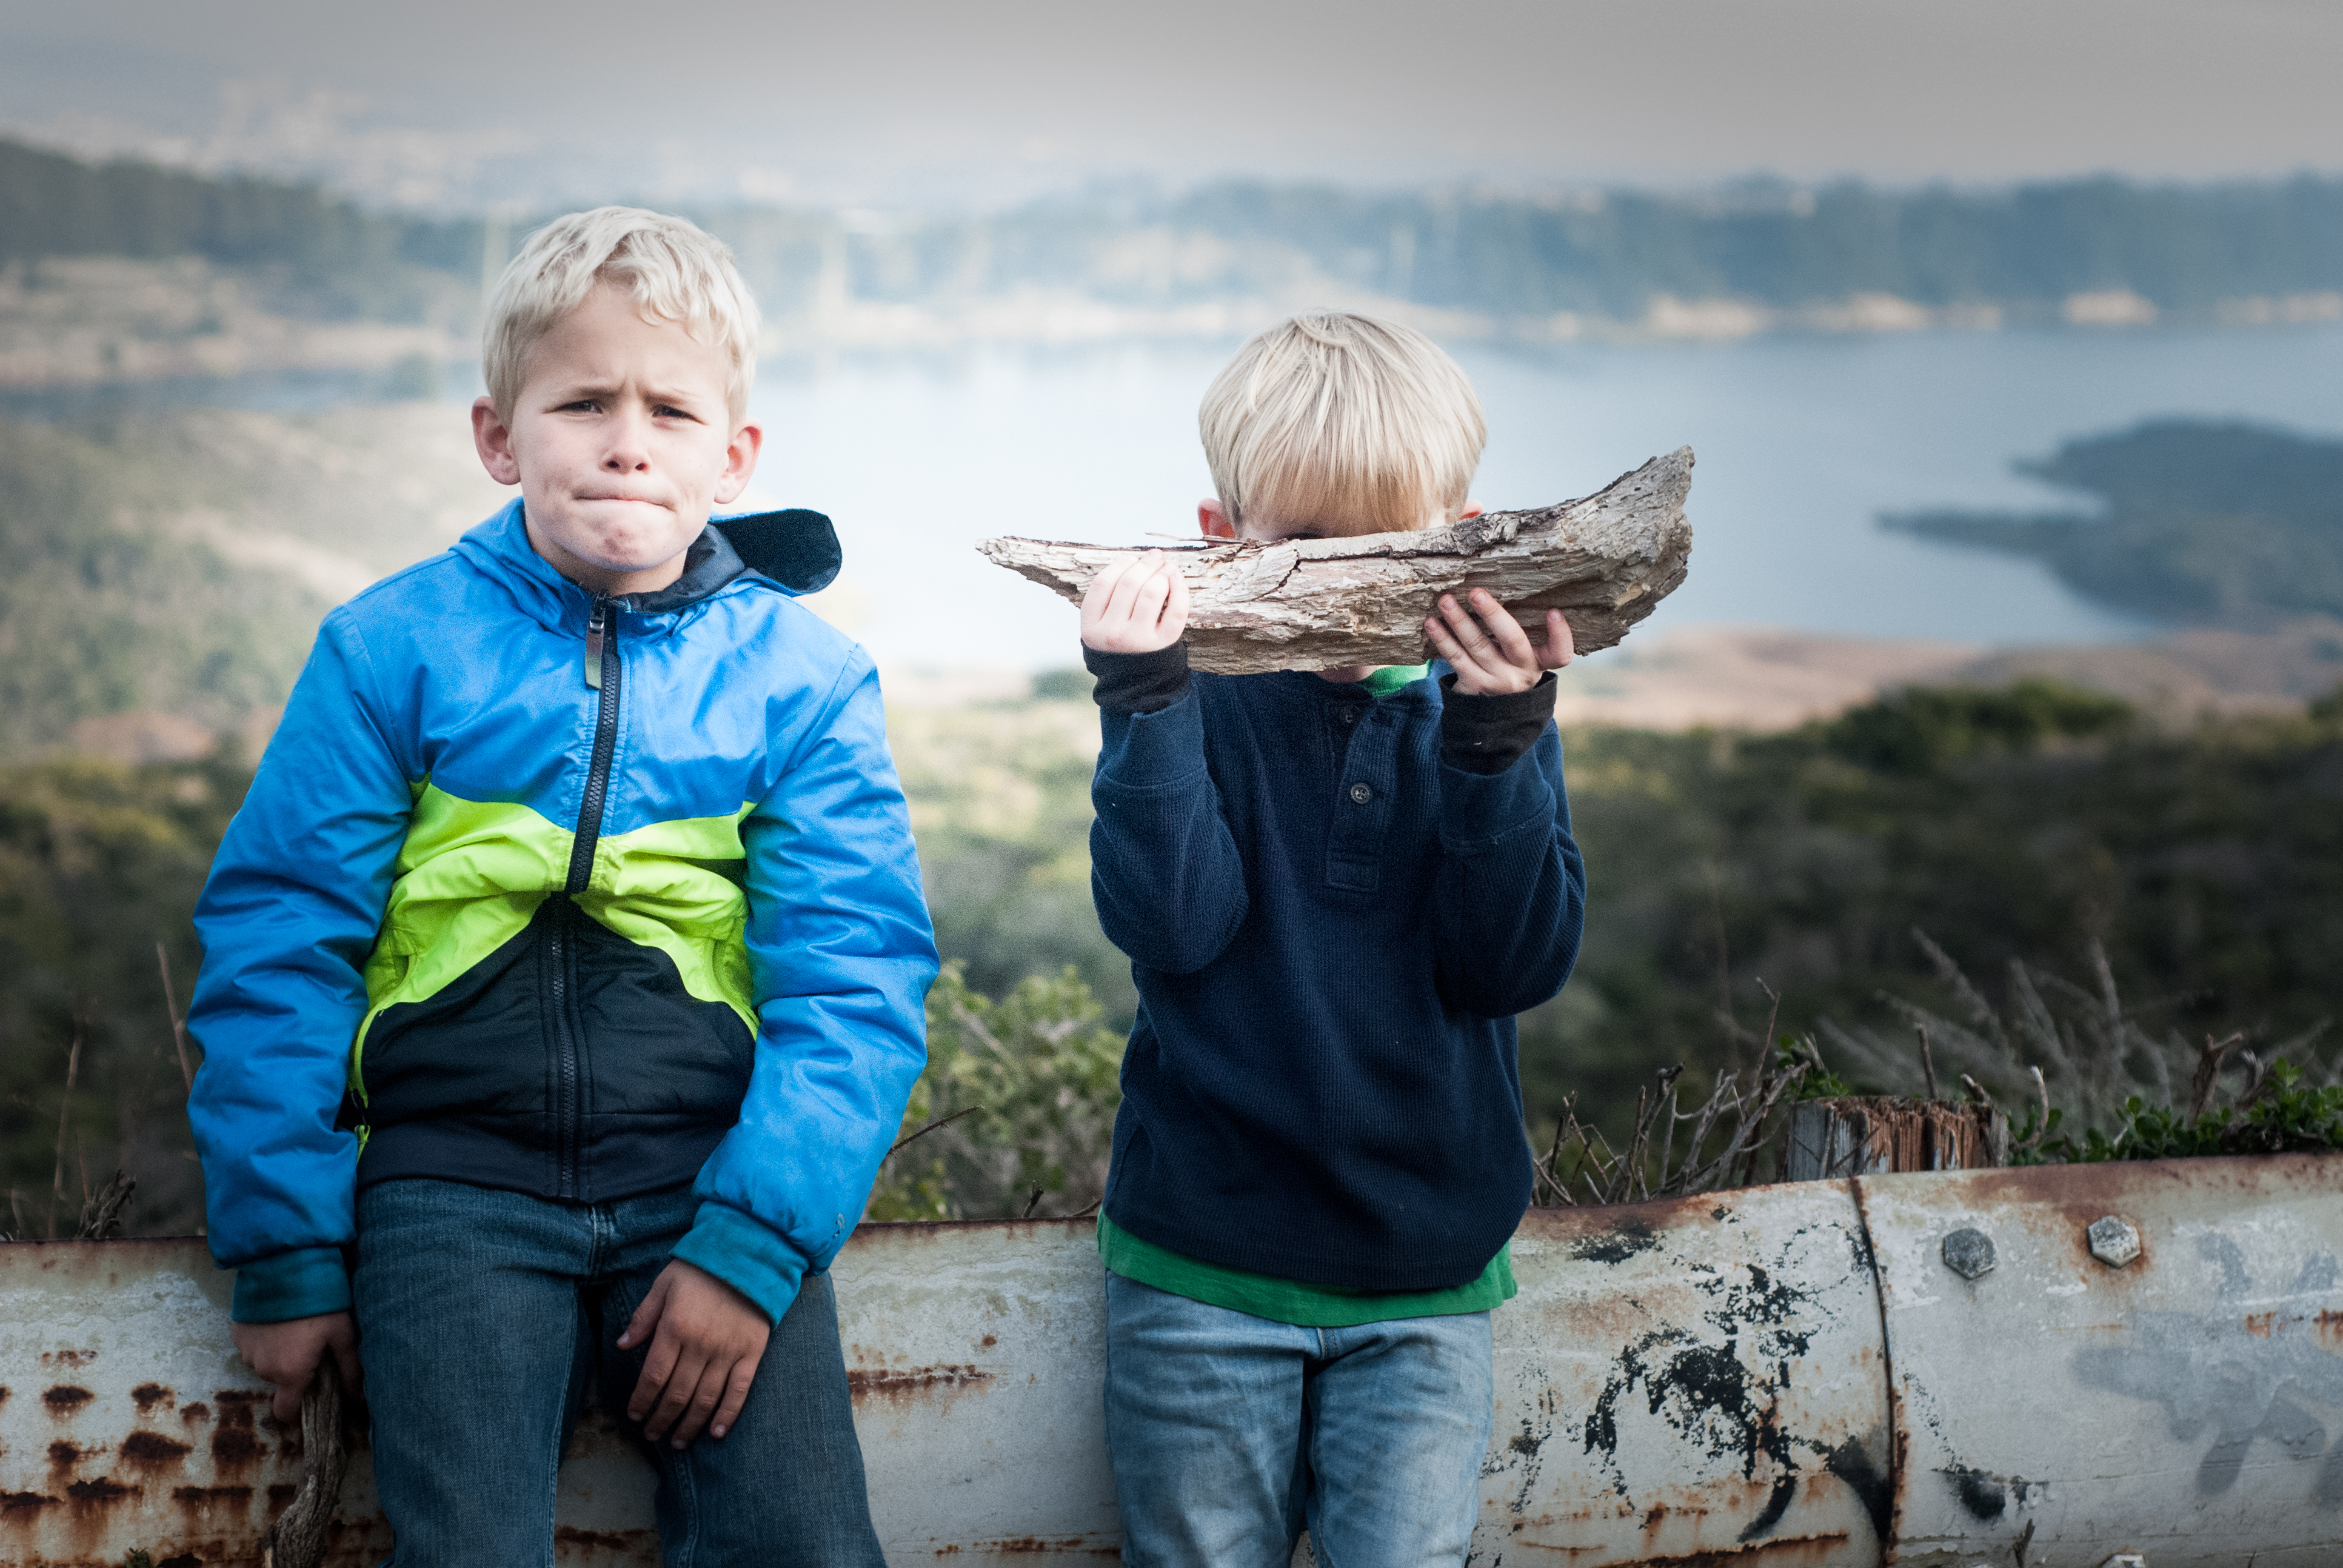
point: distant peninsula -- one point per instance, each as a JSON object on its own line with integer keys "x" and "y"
{"x": 2197, "y": 523}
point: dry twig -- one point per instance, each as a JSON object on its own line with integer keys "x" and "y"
{"x": 178, "y": 1023}
{"x": 64, "y": 1113}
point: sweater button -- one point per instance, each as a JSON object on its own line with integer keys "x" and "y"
{"x": 1360, "y": 794}
{"x": 1350, "y": 715}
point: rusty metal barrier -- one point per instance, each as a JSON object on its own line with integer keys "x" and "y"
{"x": 2049, "y": 1367}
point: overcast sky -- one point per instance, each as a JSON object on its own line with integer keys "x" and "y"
{"x": 438, "y": 103}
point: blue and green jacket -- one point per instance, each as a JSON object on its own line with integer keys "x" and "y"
{"x": 581, "y": 898}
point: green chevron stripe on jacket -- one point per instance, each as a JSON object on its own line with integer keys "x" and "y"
{"x": 473, "y": 873}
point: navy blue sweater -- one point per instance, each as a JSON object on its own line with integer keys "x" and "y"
{"x": 1333, "y": 906}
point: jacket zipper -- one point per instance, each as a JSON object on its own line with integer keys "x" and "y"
{"x": 603, "y": 674}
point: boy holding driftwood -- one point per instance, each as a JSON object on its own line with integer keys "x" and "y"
{"x": 1336, "y": 888}
{"x": 563, "y": 970}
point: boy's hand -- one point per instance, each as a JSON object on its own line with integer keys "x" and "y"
{"x": 288, "y": 1355}
{"x": 707, "y": 1338}
{"x": 1499, "y": 659}
{"x": 1136, "y": 606}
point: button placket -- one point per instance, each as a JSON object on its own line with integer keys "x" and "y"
{"x": 1364, "y": 798}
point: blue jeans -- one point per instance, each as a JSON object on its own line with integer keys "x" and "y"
{"x": 1230, "y": 1432}
{"x": 486, "y": 1318}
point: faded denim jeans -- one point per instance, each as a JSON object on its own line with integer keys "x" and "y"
{"x": 486, "y": 1318}
{"x": 1229, "y": 1432}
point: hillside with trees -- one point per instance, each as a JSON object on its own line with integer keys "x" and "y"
{"x": 2269, "y": 250}
{"x": 2195, "y": 522}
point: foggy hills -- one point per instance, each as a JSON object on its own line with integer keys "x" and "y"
{"x": 1753, "y": 257}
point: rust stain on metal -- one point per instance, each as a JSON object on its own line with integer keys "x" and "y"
{"x": 153, "y": 1450}
{"x": 150, "y": 1394}
{"x": 909, "y": 1383}
{"x": 235, "y": 1449}
{"x": 1023, "y": 1545}
{"x": 604, "y": 1539}
{"x": 195, "y": 1412}
{"x": 65, "y": 1398}
{"x": 102, "y": 1489}
{"x": 10, "y": 1502}
{"x": 68, "y": 1358}
{"x": 1822, "y": 1551}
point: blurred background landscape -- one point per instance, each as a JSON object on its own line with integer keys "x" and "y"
{"x": 2008, "y": 343}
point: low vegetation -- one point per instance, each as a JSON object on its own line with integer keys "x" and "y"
{"x": 2038, "y": 834}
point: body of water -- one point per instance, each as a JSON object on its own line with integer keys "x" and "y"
{"x": 1802, "y": 443}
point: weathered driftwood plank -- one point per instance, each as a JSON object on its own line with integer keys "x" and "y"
{"x": 1314, "y": 604}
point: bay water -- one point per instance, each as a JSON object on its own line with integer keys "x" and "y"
{"x": 1800, "y": 441}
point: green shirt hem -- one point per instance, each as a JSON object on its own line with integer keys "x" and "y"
{"x": 1292, "y": 1302}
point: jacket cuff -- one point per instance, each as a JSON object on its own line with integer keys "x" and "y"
{"x": 746, "y": 1254}
{"x": 1488, "y": 733}
{"x": 304, "y": 1284}
{"x": 1139, "y": 682}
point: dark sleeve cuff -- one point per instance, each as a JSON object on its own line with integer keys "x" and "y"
{"x": 1139, "y": 682}
{"x": 1489, "y": 733}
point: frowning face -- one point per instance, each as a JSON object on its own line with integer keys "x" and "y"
{"x": 622, "y": 440}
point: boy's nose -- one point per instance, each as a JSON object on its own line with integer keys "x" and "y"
{"x": 629, "y": 450}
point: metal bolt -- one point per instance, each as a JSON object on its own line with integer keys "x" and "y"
{"x": 1968, "y": 1253}
{"x": 2113, "y": 1241}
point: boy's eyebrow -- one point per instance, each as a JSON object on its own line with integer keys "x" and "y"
{"x": 572, "y": 392}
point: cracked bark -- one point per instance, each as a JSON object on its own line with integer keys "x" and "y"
{"x": 1605, "y": 561}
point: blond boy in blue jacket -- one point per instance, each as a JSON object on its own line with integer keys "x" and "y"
{"x": 564, "y": 967}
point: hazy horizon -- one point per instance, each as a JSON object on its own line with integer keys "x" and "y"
{"x": 441, "y": 106}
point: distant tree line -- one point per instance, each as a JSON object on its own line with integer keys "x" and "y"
{"x": 1599, "y": 253}
{"x": 2181, "y": 247}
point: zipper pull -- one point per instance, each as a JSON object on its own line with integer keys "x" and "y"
{"x": 596, "y": 625}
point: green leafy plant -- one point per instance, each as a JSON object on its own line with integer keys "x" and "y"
{"x": 1016, "y": 1106}
{"x": 2280, "y": 1114}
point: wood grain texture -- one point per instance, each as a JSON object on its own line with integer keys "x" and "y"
{"x": 1605, "y": 561}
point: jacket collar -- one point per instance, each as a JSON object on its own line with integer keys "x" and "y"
{"x": 500, "y": 548}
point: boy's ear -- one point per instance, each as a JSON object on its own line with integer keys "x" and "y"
{"x": 739, "y": 463}
{"x": 493, "y": 441}
{"x": 1213, "y": 518}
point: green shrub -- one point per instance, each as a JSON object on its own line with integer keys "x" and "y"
{"x": 1016, "y": 1107}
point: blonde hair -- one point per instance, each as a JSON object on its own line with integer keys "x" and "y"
{"x": 675, "y": 270}
{"x": 1341, "y": 424}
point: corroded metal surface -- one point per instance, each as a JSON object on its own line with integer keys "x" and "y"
{"x": 129, "y": 1423}
{"x": 1702, "y": 1380}
{"x": 1691, "y": 1381}
{"x": 2187, "y": 1405}
{"x": 976, "y": 1354}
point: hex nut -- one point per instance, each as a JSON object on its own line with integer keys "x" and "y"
{"x": 1968, "y": 1253}
{"x": 2114, "y": 1241}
